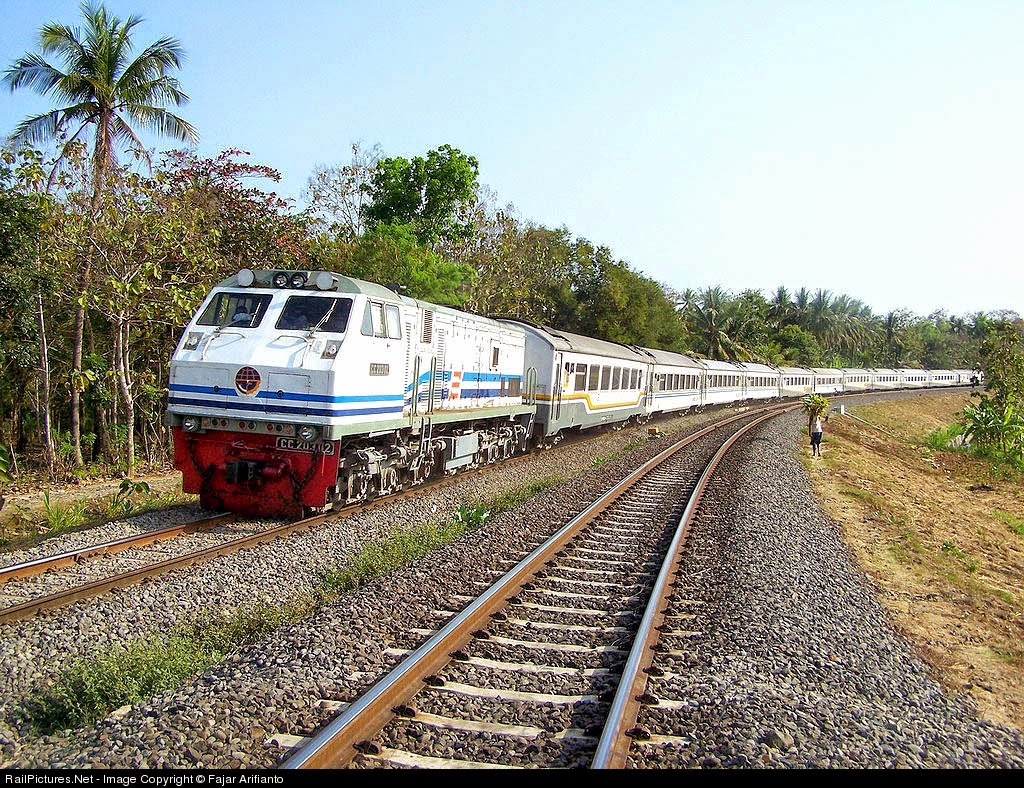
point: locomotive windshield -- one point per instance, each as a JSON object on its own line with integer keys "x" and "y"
{"x": 305, "y": 313}
{"x": 238, "y": 310}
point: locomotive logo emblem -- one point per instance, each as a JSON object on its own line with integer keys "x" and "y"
{"x": 247, "y": 380}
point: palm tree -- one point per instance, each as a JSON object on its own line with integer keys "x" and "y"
{"x": 780, "y": 309}
{"x": 717, "y": 324}
{"x": 102, "y": 89}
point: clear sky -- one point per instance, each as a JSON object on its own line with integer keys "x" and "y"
{"x": 874, "y": 149}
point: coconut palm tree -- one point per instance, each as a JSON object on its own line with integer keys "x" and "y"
{"x": 780, "y": 309}
{"x": 717, "y": 324}
{"x": 103, "y": 91}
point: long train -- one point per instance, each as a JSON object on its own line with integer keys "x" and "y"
{"x": 296, "y": 391}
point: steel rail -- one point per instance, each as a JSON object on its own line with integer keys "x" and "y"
{"x": 97, "y": 587}
{"x": 613, "y": 746}
{"x": 39, "y": 566}
{"x": 336, "y": 744}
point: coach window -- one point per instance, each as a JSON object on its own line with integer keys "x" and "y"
{"x": 581, "y": 377}
{"x": 616, "y": 378}
{"x": 594, "y": 382}
{"x": 606, "y": 378}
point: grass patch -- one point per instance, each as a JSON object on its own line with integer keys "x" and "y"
{"x": 22, "y": 528}
{"x": 953, "y": 550}
{"x": 61, "y": 517}
{"x": 403, "y": 546}
{"x": 90, "y": 689}
{"x": 1012, "y": 656}
{"x": 512, "y": 498}
{"x": 1015, "y": 524}
{"x": 634, "y": 444}
{"x": 947, "y": 438}
{"x": 907, "y": 548}
{"x": 876, "y": 502}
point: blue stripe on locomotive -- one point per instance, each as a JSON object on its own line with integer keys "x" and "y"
{"x": 253, "y": 406}
{"x": 225, "y": 392}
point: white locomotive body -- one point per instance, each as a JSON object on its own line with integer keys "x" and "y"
{"x": 292, "y": 391}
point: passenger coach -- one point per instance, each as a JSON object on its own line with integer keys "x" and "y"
{"x": 579, "y": 382}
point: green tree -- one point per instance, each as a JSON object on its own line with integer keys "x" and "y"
{"x": 104, "y": 89}
{"x": 26, "y": 286}
{"x": 996, "y": 423}
{"x": 799, "y": 347}
{"x": 717, "y": 324}
{"x": 392, "y": 256}
{"x": 432, "y": 195}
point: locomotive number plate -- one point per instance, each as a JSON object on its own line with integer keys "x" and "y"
{"x": 295, "y": 444}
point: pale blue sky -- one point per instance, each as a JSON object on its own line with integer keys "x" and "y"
{"x": 873, "y": 148}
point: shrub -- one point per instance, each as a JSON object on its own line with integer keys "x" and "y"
{"x": 62, "y": 517}
{"x": 91, "y": 688}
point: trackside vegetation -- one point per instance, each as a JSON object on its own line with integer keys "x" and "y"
{"x": 404, "y": 545}
{"x": 92, "y": 688}
{"x": 993, "y": 427}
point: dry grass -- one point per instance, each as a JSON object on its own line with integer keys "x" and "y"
{"x": 941, "y": 535}
{"x": 27, "y": 518}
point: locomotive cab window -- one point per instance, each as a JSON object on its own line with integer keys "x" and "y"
{"x": 238, "y": 310}
{"x": 381, "y": 320}
{"x": 309, "y": 313}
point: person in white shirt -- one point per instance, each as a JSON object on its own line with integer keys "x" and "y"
{"x": 817, "y": 427}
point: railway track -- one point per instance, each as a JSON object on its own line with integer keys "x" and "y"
{"x": 37, "y": 585}
{"x": 547, "y": 667}
{"x": 54, "y": 581}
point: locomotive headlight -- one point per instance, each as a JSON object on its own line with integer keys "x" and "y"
{"x": 280, "y": 279}
{"x": 331, "y": 350}
{"x": 298, "y": 280}
{"x": 307, "y": 433}
{"x": 192, "y": 423}
{"x": 193, "y": 340}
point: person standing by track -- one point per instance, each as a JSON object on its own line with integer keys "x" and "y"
{"x": 816, "y": 407}
{"x": 816, "y": 428}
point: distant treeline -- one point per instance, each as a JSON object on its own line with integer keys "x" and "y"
{"x": 96, "y": 287}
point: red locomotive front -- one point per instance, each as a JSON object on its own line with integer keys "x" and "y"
{"x": 256, "y": 474}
